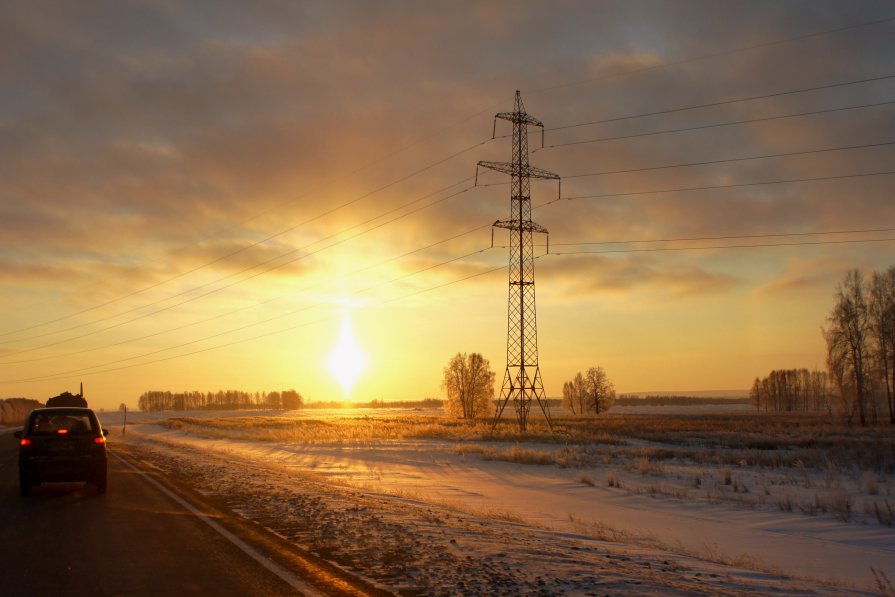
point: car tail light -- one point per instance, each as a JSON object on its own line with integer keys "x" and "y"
{"x": 99, "y": 440}
{"x": 24, "y": 442}
{"x": 62, "y": 431}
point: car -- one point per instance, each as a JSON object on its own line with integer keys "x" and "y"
{"x": 62, "y": 444}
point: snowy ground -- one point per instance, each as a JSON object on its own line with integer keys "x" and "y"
{"x": 432, "y": 517}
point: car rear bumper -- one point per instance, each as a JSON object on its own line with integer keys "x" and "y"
{"x": 39, "y": 470}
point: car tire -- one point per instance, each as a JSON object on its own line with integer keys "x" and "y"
{"x": 24, "y": 484}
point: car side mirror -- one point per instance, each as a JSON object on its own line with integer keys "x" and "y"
{"x": 105, "y": 432}
{"x": 18, "y": 435}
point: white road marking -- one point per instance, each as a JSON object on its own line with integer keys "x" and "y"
{"x": 285, "y": 575}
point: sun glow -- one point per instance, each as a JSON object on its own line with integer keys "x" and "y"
{"x": 346, "y": 360}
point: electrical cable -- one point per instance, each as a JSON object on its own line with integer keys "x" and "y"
{"x": 733, "y": 237}
{"x": 128, "y": 295}
{"x": 249, "y": 246}
{"x": 729, "y": 160}
{"x": 248, "y": 269}
{"x": 717, "y": 186}
{"x": 720, "y": 103}
{"x": 87, "y": 371}
{"x": 711, "y": 126}
{"x": 753, "y": 246}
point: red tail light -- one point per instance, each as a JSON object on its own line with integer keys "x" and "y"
{"x": 99, "y": 440}
{"x": 24, "y": 442}
{"x": 62, "y": 431}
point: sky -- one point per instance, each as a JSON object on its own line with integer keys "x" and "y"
{"x": 215, "y": 195}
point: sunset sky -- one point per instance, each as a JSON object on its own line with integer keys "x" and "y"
{"x": 207, "y": 195}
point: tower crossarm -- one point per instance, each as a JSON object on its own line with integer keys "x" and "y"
{"x": 519, "y": 118}
{"x": 524, "y": 225}
{"x": 513, "y": 169}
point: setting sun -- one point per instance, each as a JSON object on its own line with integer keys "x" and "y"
{"x": 346, "y": 360}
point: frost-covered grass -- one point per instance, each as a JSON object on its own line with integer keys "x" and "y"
{"x": 804, "y": 494}
{"x": 808, "y": 464}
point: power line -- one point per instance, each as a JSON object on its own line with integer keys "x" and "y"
{"x": 454, "y": 237}
{"x": 715, "y": 125}
{"x": 87, "y": 370}
{"x": 750, "y": 246}
{"x": 549, "y": 88}
{"x": 721, "y": 102}
{"x": 252, "y": 306}
{"x": 245, "y": 270}
{"x": 246, "y": 248}
{"x": 728, "y": 160}
{"x": 733, "y": 237}
{"x": 719, "y": 186}
{"x": 456, "y": 154}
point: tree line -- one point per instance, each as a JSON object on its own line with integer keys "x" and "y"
{"x": 675, "y": 400}
{"x": 158, "y": 400}
{"x": 860, "y": 341}
{"x": 792, "y": 390}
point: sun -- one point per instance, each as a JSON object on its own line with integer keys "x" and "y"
{"x": 346, "y": 360}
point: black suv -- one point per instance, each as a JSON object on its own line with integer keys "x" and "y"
{"x": 62, "y": 444}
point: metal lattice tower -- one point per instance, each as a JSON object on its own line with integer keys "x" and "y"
{"x": 522, "y": 380}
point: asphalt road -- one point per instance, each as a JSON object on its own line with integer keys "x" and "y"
{"x": 66, "y": 539}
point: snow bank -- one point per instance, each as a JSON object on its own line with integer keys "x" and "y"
{"x": 569, "y": 501}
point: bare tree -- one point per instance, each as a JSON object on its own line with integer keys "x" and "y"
{"x": 589, "y": 393}
{"x": 569, "y": 399}
{"x": 882, "y": 321}
{"x": 755, "y": 395}
{"x": 599, "y": 390}
{"x": 574, "y": 395}
{"x": 469, "y": 383}
{"x": 848, "y": 350}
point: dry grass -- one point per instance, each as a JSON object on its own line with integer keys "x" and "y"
{"x": 795, "y": 463}
{"x": 765, "y": 441}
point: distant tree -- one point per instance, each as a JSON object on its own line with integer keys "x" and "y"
{"x": 599, "y": 390}
{"x": 574, "y": 395}
{"x": 848, "y": 348}
{"x": 469, "y": 384}
{"x": 589, "y": 393}
{"x": 755, "y": 394}
{"x": 291, "y": 399}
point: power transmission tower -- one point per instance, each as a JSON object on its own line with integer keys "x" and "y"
{"x": 522, "y": 379}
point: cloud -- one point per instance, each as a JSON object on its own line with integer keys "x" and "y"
{"x": 241, "y": 257}
{"x": 581, "y": 276}
{"x": 614, "y": 63}
{"x": 794, "y": 285}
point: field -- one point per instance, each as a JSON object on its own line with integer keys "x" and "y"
{"x": 717, "y": 502}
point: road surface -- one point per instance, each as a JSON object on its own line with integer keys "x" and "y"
{"x": 140, "y": 538}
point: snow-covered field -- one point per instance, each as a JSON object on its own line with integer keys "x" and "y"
{"x": 421, "y": 515}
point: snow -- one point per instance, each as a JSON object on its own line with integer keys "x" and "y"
{"x": 531, "y": 527}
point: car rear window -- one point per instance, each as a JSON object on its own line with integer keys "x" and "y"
{"x": 56, "y": 423}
